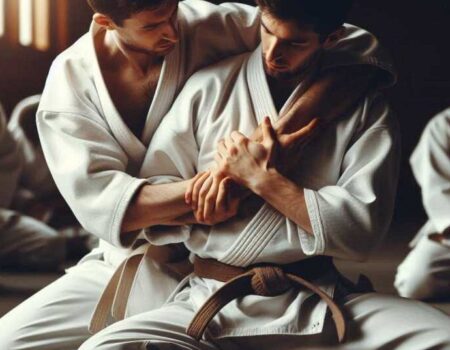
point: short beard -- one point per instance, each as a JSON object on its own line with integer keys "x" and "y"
{"x": 298, "y": 74}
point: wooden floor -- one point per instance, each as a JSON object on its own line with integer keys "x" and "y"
{"x": 16, "y": 287}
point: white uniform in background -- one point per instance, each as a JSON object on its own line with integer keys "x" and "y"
{"x": 425, "y": 273}
{"x": 97, "y": 162}
{"x": 24, "y": 241}
{"x": 349, "y": 173}
{"x": 35, "y": 176}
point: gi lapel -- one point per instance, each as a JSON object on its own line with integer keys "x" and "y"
{"x": 164, "y": 95}
{"x": 267, "y": 221}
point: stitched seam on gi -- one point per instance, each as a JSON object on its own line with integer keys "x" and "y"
{"x": 120, "y": 208}
{"x": 313, "y": 244}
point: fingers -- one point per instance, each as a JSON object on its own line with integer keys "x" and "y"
{"x": 190, "y": 189}
{"x": 238, "y": 138}
{"x": 196, "y": 189}
{"x": 210, "y": 200}
{"x": 268, "y": 131}
{"x": 230, "y": 146}
{"x": 222, "y": 148}
{"x": 222, "y": 195}
{"x": 202, "y": 198}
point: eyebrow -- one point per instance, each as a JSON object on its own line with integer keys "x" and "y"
{"x": 265, "y": 27}
{"x": 300, "y": 41}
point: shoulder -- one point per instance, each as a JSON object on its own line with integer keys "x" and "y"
{"x": 70, "y": 85}
{"x": 218, "y": 76}
{"x": 198, "y": 11}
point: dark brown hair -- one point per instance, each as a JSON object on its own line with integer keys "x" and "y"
{"x": 323, "y": 16}
{"x": 119, "y": 10}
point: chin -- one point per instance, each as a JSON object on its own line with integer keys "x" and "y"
{"x": 164, "y": 51}
{"x": 280, "y": 75}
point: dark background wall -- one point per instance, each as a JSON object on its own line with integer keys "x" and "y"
{"x": 416, "y": 33}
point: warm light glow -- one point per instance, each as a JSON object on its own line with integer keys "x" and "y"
{"x": 26, "y": 22}
{"x": 2, "y": 17}
{"x": 42, "y": 24}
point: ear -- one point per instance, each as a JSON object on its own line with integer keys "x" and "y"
{"x": 334, "y": 37}
{"x": 103, "y": 20}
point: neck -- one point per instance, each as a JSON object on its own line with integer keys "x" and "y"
{"x": 138, "y": 59}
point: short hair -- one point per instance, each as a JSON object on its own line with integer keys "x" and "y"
{"x": 323, "y": 16}
{"x": 119, "y": 10}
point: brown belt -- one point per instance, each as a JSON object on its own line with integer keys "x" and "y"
{"x": 114, "y": 299}
{"x": 264, "y": 280}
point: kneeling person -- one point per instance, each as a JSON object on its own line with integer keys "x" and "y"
{"x": 425, "y": 273}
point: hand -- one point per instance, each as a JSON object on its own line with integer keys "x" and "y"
{"x": 210, "y": 197}
{"x": 241, "y": 158}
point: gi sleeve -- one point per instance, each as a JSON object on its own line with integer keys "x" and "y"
{"x": 350, "y": 218}
{"x": 430, "y": 163}
{"x": 87, "y": 163}
{"x": 214, "y": 32}
{"x": 11, "y": 163}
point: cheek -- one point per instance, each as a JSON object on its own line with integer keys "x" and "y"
{"x": 145, "y": 39}
{"x": 299, "y": 58}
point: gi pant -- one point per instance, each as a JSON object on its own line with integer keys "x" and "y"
{"x": 425, "y": 273}
{"x": 57, "y": 317}
{"x": 28, "y": 243}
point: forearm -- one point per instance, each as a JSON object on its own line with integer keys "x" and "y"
{"x": 156, "y": 205}
{"x": 185, "y": 219}
{"x": 332, "y": 92}
{"x": 288, "y": 199}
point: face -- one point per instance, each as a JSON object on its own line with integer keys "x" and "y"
{"x": 153, "y": 31}
{"x": 288, "y": 49}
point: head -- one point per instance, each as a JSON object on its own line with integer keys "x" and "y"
{"x": 294, "y": 33}
{"x": 148, "y": 26}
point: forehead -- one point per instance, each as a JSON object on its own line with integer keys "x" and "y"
{"x": 153, "y": 15}
{"x": 288, "y": 30}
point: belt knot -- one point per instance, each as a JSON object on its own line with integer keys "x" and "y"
{"x": 269, "y": 281}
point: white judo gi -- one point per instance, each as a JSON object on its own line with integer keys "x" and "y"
{"x": 349, "y": 173}
{"x": 98, "y": 163}
{"x": 24, "y": 241}
{"x": 425, "y": 273}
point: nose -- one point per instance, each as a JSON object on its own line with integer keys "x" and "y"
{"x": 273, "y": 52}
{"x": 171, "y": 31}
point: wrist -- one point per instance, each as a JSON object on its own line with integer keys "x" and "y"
{"x": 262, "y": 181}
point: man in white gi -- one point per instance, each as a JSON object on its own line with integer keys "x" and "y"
{"x": 337, "y": 202}
{"x": 25, "y": 241}
{"x": 425, "y": 273}
{"x": 104, "y": 98}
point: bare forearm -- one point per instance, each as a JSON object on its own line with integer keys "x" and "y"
{"x": 156, "y": 205}
{"x": 185, "y": 219}
{"x": 288, "y": 198}
{"x": 331, "y": 94}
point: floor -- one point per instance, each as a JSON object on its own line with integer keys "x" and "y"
{"x": 16, "y": 287}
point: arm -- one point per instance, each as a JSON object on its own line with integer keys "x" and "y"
{"x": 255, "y": 170}
{"x": 331, "y": 94}
{"x": 155, "y": 205}
{"x": 90, "y": 170}
{"x": 334, "y": 91}
{"x": 346, "y": 218}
